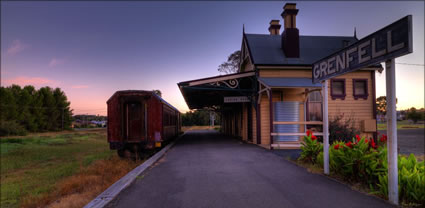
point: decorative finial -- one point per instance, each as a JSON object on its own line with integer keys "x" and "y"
{"x": 355, "y": 34}
{"x": 243, "y": 28}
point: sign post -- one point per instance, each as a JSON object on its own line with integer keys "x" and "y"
{"x": 392, "y": 41}
{"x": 325, "y": 127}
{"x": 391, "y": 131}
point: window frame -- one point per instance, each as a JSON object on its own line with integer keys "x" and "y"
{"x": 308, "y": 101}
{"x": 342, "y": 97}
{"x": 362, "y": 96}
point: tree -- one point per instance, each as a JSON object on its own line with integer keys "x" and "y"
{"x": 232, "y": 63}
{"x": 381, "y": 105}
{"x": 414, "y": 115}
{"x": 196, "y": 118}
{"x": 27, "y": 109}
{"x": 157, "y": 92}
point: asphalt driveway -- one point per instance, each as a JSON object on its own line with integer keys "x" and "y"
{"x": 410, "y": 141}
{"x": 206, "y": 169}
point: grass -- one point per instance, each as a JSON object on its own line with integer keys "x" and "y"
{"x": 189, "y": 128}
{"x": 402, "y": 125}
{"x": 35, "y": 168}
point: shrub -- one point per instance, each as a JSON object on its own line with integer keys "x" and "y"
{"x": 310, "y": 148}
{"x": 411, "y": 180}
{"x": 414, "y": 115}
{"x": 363, "y": 160}
{"x": 357, "y": 160}
{"x": 341, "y": 129}
{"x": 8, "y": 128}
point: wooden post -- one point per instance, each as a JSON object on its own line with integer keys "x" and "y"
{"x": 392, "y": 132}
{"x": 325, "y": 127}
{"x": 271, "y": 116}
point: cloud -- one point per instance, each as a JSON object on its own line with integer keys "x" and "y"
{"x": 36, "y": 81}
{"x": 16, "y": 47}
{"x": 54, "y": 62}
{"x": 79, "y": 86}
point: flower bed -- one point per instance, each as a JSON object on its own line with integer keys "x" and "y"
{"x": 365, "y": 160}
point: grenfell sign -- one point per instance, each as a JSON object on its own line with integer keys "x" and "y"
{"x": 387, "y": 43}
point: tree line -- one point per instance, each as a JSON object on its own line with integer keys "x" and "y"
{"x": 30, "y": 110}
{"x": 198, "y": 118}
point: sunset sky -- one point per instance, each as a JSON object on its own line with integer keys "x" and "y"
{"x": 92, "y": 49}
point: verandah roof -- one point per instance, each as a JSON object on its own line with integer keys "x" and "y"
{"x": 282, "y": 82}
{"x": 211, "y": 91}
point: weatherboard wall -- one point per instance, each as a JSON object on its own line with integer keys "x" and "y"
{"x": 361, "y": 110}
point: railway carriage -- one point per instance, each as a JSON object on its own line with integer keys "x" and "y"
{"x": 140, "y": 120}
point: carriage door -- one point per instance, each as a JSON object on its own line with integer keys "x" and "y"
{"x": 135, "y": 120}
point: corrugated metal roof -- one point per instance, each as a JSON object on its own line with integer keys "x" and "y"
{"x": 267, "y": 50}
{"x": 288, "y": 82}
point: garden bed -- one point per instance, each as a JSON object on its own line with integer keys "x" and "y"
{"x": 362, "y": 164}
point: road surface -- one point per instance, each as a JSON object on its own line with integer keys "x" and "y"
{"x": 410, "y": 141}
{"x": 206, "y": 169}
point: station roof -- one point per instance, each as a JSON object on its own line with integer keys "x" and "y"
{"x": 280, "y": 82}
{"x": 210, "y": 91}
{"x": 267, "y": 49}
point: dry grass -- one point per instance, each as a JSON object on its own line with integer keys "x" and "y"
{"x": 81, "y": 188}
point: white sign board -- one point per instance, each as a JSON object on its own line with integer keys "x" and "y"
{"x": 237, "y": 99}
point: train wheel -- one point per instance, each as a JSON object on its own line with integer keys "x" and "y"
{"x": 129, "y": 154}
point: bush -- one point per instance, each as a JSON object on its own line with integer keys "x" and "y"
{"x": 8, "y": 128}
{"x": 411, "y": 180}
{"x": 341, "y": 129}
{"x": 363, "y": 160}
{"x": 414, "y": 115}
{"x": 358, "y": 160}
{"x": 310, "y": 148}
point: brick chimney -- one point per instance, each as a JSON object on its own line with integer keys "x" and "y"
{"x": 290, "y": 35}
{"x": 274, "y": 27}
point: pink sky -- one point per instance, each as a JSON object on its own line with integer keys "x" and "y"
{"x": 90, "y": 50}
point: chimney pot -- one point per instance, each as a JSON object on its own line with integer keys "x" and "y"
{"x": 290, "y": 35}
{"x": 274, "y": 27}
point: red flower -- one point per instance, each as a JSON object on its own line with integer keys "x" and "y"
{"x": 366, "y": 141}
{"x": 383, "y": 138}
{"x": 349, "y": 144}
{"x": 313, "y": 137}
{"x": 358, "y": 138}
{"x": 373, "y": 144}
{"x": 309, "y": 133}
{"x": 336, "y": 146}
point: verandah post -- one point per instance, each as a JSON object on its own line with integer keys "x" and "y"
{"x": 391, "y": 131}
{"x": 325, "y": 127}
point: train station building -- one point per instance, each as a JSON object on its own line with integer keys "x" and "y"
{"x": 272, "y": 100}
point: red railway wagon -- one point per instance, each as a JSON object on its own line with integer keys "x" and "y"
{"x": 139, "y": 120}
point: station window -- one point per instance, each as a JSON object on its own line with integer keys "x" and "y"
{"x": 338, "y": 89}
{"x": 314, "y": 106}
{"x": 360, "y": 88}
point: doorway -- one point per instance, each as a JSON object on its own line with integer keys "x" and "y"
{"x": 134, "y": 117}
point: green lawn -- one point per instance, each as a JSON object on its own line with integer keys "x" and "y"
{"x": 32, "y": 165}
{"x": 402, "y": 125}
